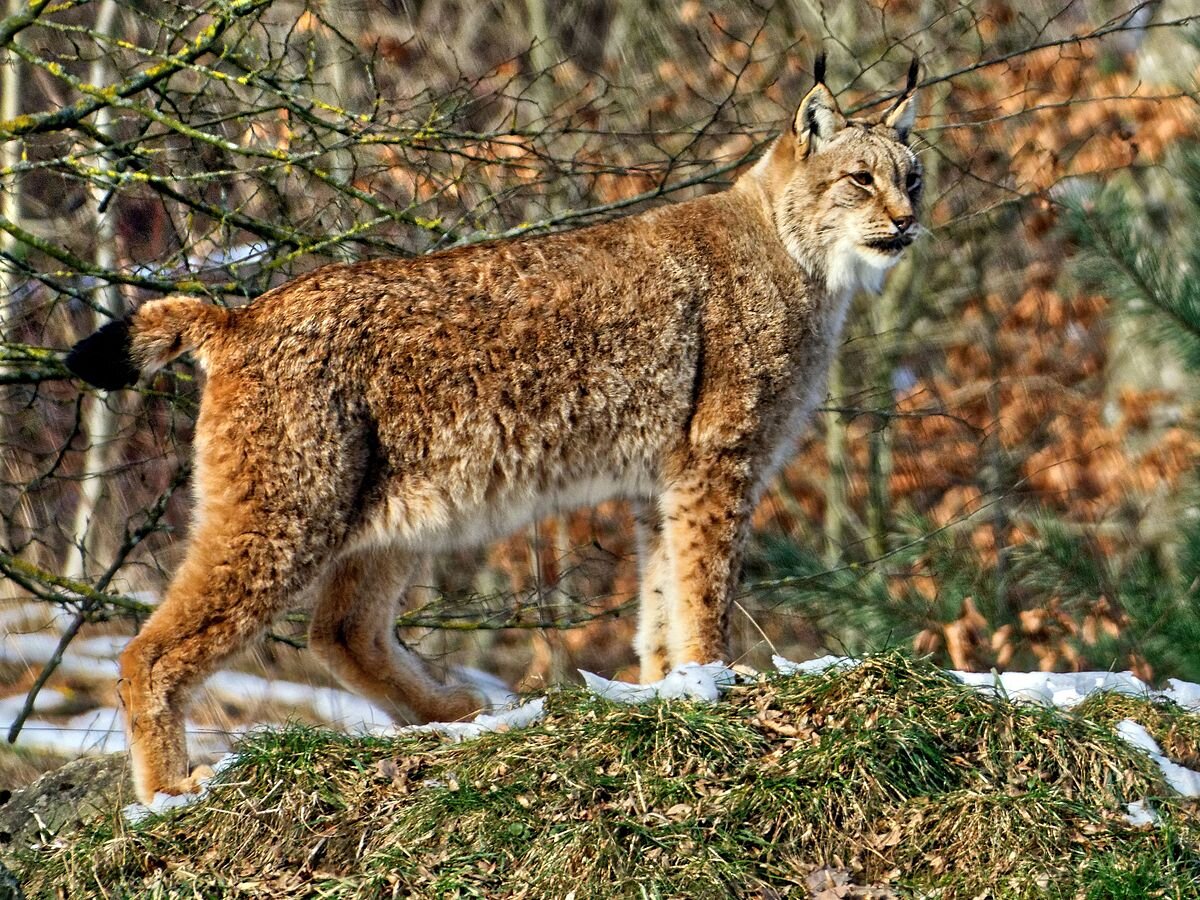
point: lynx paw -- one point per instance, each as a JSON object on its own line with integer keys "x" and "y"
{"x": 182, "y": 793}
{"x": 493, "y": 694}
{"x": 195, "y": 782}
{"x": 462, "y": 704}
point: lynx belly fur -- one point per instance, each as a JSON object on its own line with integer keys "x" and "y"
{"x": 365, "y": 415}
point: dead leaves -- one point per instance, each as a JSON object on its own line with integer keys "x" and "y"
{"x": 836, "y": 884}
{"x": 401, "y": 773}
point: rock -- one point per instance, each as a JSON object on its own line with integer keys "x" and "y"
{"x": 9, "y": 889}
{"x": 59, "y": 803}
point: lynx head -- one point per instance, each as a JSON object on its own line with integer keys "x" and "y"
{"x": 844, "y": 191}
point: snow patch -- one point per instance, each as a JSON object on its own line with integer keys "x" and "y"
{"x": 27, "y": 648}
{"x": 135, "y": 812}
{"x": 812, "y": 666}
{"x": 102, "y": 646}
{"x": 1062, "y": 690}
{"x": 335, "y": 706}
{"x": 687, "y": 682}
{"x": 1185, "y": 693}
{"x": 1139, "y": 813}
{"x": 26, "y": 618}
{"x": 1185, "y": 781}
{"x": 48, "y": 700}
{"x": 224, "y": 763}
{"x": 35, "y": 650}
{"x": 138, "y": 812}
{"x": 520, "y": 717}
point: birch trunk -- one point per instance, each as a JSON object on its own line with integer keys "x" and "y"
{"x": 100, "y": 417}
{"x": 10, "y": 155}
{"x": 10, "y": 209}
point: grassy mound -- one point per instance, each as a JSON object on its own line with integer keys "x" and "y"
{"x": 890, "y": 773}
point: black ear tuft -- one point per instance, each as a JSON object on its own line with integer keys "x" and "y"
{"x": 914, "y": 69}
{"x": 819, "y": 68}
{"x": 105, "y": 359}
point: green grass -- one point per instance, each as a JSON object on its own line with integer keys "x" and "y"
{"x": 891, "y": 772}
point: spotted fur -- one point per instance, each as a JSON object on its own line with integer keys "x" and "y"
{"x": 363, "y": 416}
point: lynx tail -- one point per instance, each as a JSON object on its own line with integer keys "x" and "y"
{"x": 118, "y": 353}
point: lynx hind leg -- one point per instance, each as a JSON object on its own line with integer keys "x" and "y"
{"x": 230, "y": 585}
{"x": 654, "y": 580}
{"x": 707, "y": 517}
{"x": 353, "y": 634}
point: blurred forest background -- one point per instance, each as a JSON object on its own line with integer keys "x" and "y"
{"x": 1003, "y": 475}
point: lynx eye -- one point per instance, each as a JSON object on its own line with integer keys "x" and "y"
{"x": 913, "y": 181}
{"x": 863, "y": 179}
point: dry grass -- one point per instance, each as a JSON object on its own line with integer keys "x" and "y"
{"x": 891, "y": 771}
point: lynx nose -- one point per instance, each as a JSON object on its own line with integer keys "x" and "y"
{"x": 904, "y": 224}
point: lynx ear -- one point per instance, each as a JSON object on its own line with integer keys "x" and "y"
{"x": 818, "y": 119}
{"x": 904, "y": 112}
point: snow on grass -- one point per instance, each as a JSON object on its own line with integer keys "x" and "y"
{"x": 1065, "y": 691}
{"x": 92, "y": 660}
{"x": 1184, "y": 781}
{"x": 1062, "y": 690}
{"x": 1184, "y": 693}
{"x": 688, "y": 682}
{"x": 906, "y": 777}
{"x": 1139, "y": 813}
{"x": 811, "y": 666}
{"x": 138, "y": 812}
{"x": 707, "y": 682}
{"x": 505, "y": 720}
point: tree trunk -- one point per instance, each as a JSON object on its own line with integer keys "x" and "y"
{"x": 10, "y": 209}
{"x": 100, "y": 418}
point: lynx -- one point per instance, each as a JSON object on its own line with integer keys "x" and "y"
{"x": 364, "y": 415}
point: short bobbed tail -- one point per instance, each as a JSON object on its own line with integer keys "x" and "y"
{"x": 119, "y": 353}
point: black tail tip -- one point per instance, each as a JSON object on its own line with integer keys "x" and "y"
{"x": 105, "y": 359}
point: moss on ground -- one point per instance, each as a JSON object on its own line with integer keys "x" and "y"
{"x": 891, "y": 772}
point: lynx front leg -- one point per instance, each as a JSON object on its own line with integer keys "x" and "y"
{"x": 353, "y": 633}
{"x": 707, "y": 515}
{"x": 655, "y": 579}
